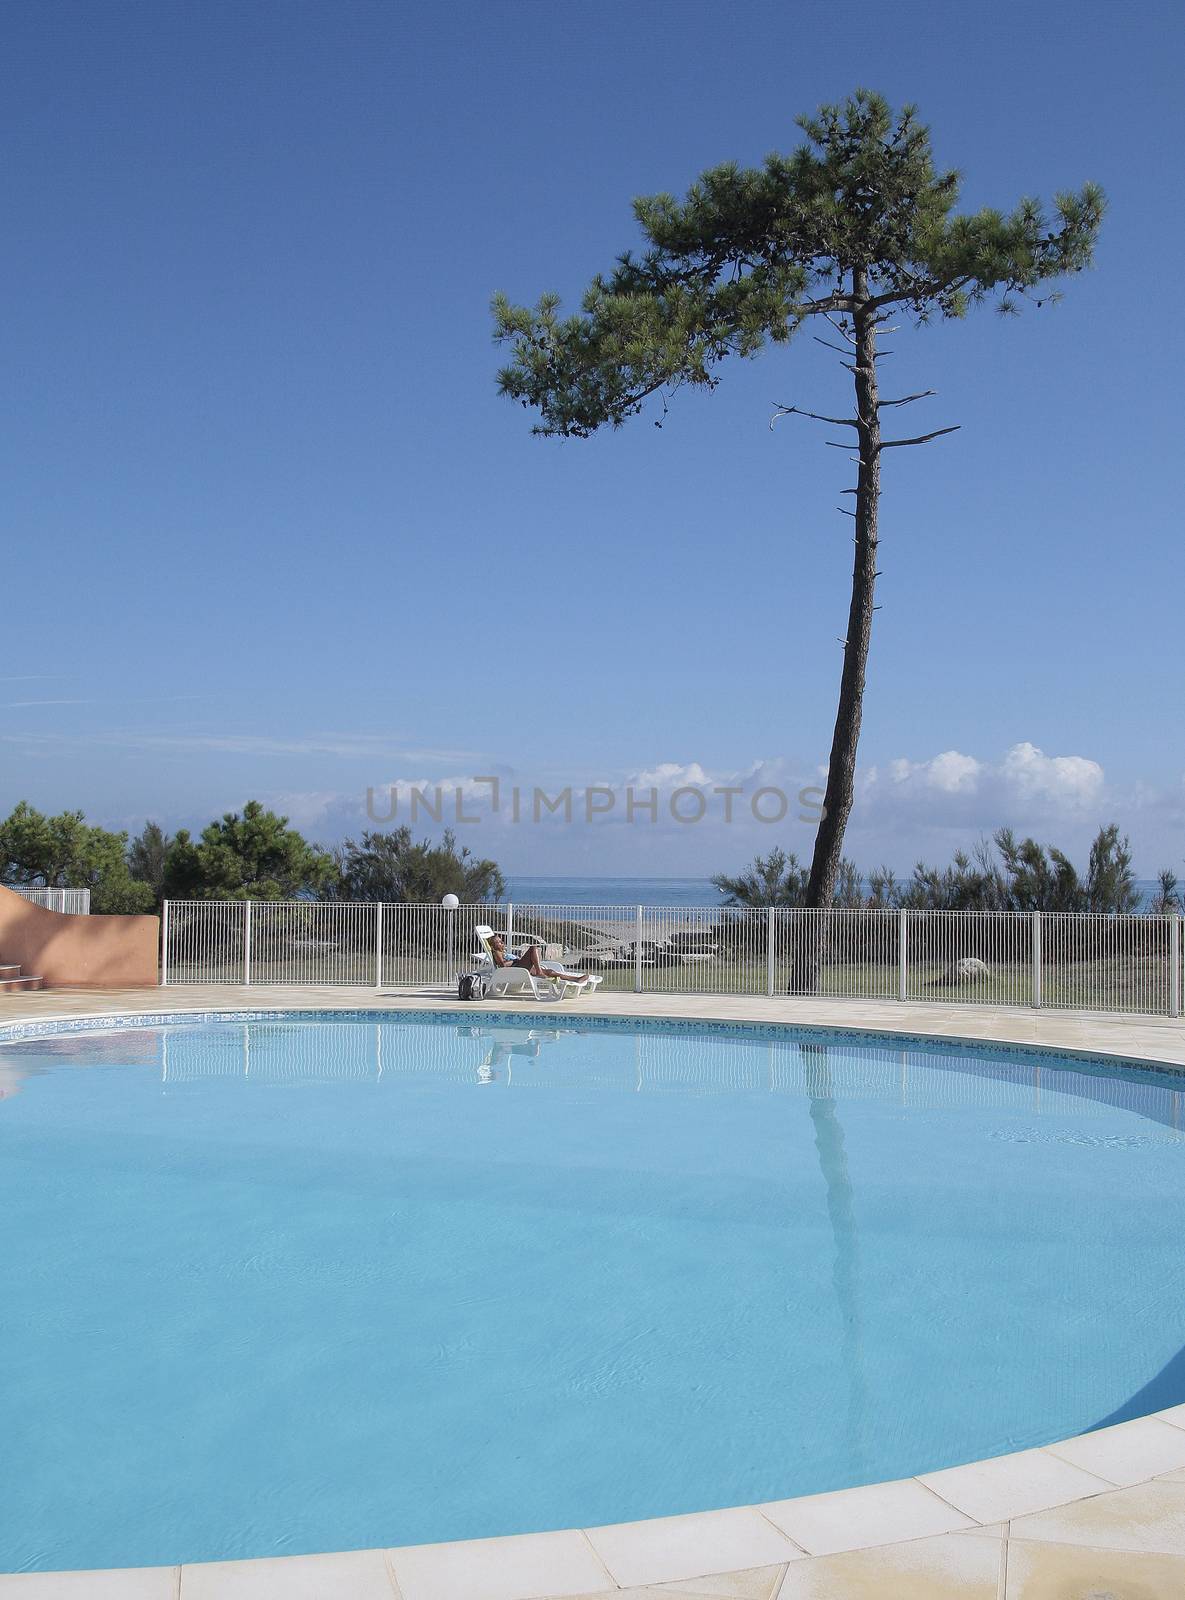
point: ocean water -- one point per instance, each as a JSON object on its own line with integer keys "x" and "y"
{"x": 695, "y": 892}
{"x": 272, "y": 1287}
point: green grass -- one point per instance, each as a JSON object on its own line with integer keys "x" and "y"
{"x": 1103, "y": 985}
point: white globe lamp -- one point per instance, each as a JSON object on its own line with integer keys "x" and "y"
{"x": 450, "y": 904}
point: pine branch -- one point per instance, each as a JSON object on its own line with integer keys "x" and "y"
{"x": 908, "y": 399}
{"x": 841, "y": 330}
{"x": 794, "y": 411}
{"x": 827, "y": 344}
{"x": 922, "y": 438}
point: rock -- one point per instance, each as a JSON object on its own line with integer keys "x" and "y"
{"x": 967, "y": 969}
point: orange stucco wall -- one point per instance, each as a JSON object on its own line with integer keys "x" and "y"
{"x": 81, "y": 952}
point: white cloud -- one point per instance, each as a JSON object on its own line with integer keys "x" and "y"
{"x": 672, "y": 775}
{"x": 917, "y": 805}
{"x": 1075, "y": 780}
{"x": 951, "y": 772}
{"x": 930, "y": 806}
{"x": 1023, "y": 776}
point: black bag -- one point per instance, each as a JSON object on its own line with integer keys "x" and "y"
{"x": 472, "y": 987}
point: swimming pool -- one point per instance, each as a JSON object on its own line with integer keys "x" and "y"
{"x": 294, "y": 1284}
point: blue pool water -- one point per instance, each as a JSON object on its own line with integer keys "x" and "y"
{"x": 279, "y": 1286}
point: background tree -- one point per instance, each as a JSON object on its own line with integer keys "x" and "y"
{"x": 1037, "y": 878}
{"x": 883, "y": 888}
{"x": 773, "y": 880}
{"x": 970, "y": 883}
{"x": 1168, "y": 897}
{"x": 854, "y": 228}
{"x": 1110, "y": 878}
{"x": 393, "y": 867}
{"x": 67, "y": 852}
{"x": 252, "y": 856}
{"x": 1003, "y": 874}
{"x": 147, "y": 855}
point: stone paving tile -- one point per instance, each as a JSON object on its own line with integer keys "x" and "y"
{"x": 1129, "y": 1453}
{"x": 1038, "y": 1571}
{"x": 645, "y": 1593}
{"x": 123, "y": 1583}
{"x": 947, "y": 1567}
{"x": 1150, "y": 1516}
{"x": 757, "y": 1583}
{"x": 500, "y": 1569}
{"x": 353, "y": 1575}
{"x": 1009, "y": 1486}
{"x": 668, "y": 1549}
{"x": 849, "y": 1519}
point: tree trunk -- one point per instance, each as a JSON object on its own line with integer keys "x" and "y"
{"x": 841, "y": 773}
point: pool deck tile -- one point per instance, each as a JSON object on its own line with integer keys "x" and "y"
{"x": 514, "y": 1568}
{"x": 1128, "y": 1453}
{"x": 944, "y": 1567}
{"x": 850, "y": 1519}
{"x": 112, "y": 1583}
{"x": 757, "y": 1583}
{"x": 1038, "y": 1571}
{"x": 359, "y": 1574}
{"x": 1149, "y": 1517}
{"x": 669, "y": 1549}
{"x": 647, "y": 1592}
{"x": 1004, "y": 1487}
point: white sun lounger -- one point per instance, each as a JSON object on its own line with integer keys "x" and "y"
{"x": 517, "y": 980}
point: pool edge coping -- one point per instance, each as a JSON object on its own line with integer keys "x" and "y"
{"x": 743, "y": 1537}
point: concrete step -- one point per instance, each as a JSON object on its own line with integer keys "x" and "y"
{"x": 20, "y": 985}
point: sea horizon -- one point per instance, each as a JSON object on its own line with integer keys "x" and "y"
{"x": 696, "y": 893}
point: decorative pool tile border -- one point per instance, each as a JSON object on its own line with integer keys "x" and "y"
{"x": 938, "y": 1045}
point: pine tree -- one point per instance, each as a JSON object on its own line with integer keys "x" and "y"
{"x": 855, "y": 228}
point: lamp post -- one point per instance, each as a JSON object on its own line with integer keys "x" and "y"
{"x": 450, "y": 904}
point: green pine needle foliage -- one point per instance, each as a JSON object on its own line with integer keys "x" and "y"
{"x": 751, "y": 253}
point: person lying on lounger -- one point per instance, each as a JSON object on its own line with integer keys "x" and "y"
{"x": 530, "y": 960}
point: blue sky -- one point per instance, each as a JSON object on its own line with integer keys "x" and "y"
{"x": 269, "y": 531}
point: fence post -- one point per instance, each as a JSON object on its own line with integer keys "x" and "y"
{"x": 509, "y": 923}
{"x": 769, "y": 952}
{"x": 1175, "y": 964}
{"x": 902, "y": 954}
{"x": 378, "y": 945}
{"x": 1037, "y": 960}
{"x": 246, "y": 942}
{"x": 638, "y": 954}
{"x": 164, "y": 945}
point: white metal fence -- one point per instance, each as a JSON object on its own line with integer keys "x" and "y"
{"x": 1069, "y": 961}
{"x": 75, "y": 901}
